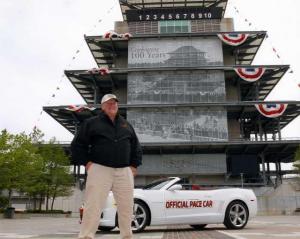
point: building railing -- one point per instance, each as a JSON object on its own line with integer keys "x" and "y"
{"x": 234, "y": 140}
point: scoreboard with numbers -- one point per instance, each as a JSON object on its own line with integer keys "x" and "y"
{"x": 161, "y": 14}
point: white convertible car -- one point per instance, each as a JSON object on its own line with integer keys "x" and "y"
{"x": 170, "y": 201}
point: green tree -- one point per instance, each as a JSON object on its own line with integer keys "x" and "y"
{"x": 297, "y": 162}
{"x": 18, "y": 161}
{"x": 55, "y": 172}
{"x": 62, "y": 184}
{"x": 36, "y": 184}
{"x": 36, "y": 136}
{"x": 5, "y": 139}
{"x": 29, "y": 165}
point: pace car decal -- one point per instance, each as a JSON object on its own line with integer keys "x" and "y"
{"x": 188, "y": 203}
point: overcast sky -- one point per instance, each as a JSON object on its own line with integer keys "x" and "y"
{"x": 38, "y": 40}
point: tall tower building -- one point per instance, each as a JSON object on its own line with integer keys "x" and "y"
{"x": 186, "y": 83}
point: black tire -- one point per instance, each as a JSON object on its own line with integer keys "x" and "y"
{"x": 236, "y": 215}
{"x": 105, "y": 229}
{"x": 199, "y": 226}
{"x": 141, "y": 216}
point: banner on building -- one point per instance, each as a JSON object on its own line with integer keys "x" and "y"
{"x": 180, "y": 52}
{"x": 183, "y": 164}
{"x": 176, "y": 87}
{"x": 179, "y": 124}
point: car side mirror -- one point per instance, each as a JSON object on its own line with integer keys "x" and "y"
{"x": 175, "y": 187}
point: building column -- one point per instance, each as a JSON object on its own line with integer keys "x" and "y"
{"x": 74, "y": 170}
{"x": 278, "y": 128}
{"x": 239, "y": 90}
{"x": 280, "y": 173}
{"x": 260, "y": 130}
{"x": 277, "y": 173}
{"x": 268, "y": 171}
{"x": 242, "y": 129}
{"x": 262, "y": 156}
{"x": 95, "y": 93}
{"x": 256, "y": 90}
{"x": 76, "y": 125}
{"x": 256, "y": 130}
{"x": 76, "y": 167}
{"x": 266, "y": 137}
{"x": 78, "y": 171}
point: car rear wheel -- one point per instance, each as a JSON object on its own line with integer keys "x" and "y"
{"x": 199, "y": 226}
{"x": 141, "y": 216}
{"x": 236, "y": 216}
{"x": 105, "y": 229}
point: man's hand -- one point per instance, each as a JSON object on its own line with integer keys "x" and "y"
{"x": 133, "y": 170}
{"x": 88, "y": 165}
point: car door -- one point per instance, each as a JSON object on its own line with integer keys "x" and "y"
{"x": 188, "y": 206}
{"x": 155, "y": 201}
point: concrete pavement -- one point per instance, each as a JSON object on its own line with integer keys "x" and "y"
{"x": 267, "y": 227}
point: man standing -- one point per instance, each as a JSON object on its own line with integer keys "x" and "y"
{"x": 109, "y": 148}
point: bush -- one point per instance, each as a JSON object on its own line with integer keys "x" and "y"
{"x": 3, "y": 202}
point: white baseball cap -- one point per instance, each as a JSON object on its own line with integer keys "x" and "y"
{"x": 108, "y": 97}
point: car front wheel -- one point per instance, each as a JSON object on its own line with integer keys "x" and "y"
{"x": 141, "y": 216}
{"x": 236, "y": 216}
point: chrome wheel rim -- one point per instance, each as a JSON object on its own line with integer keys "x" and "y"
{"x": 139, "y": 217}
{"x": 238, "y": 215}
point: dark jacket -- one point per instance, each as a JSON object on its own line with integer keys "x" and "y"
{"x": 110, "y": 144}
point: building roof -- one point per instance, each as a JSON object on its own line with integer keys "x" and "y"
{"x": 85, "y": 81}
{"x": 277, "y": 150}
{"x": 235, "y": 110}
{"x": 146, "y": 4}
{"x": 105, "y": 50}
{"x": 274, "y": 151}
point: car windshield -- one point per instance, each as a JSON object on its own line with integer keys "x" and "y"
{"x": 156, "y": 185}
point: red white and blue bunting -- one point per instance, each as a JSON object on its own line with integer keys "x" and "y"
{"x": 79, "y": 108}
{"x": 102, "y": 71}
{"x": 233, "y": 39}
{"x": 271, "y": 110}
{"x": 112, "y": 34}
{"x": 274, "y": 49}
{"x": 126, "y": 35}
{"x": 250, "y": 74}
